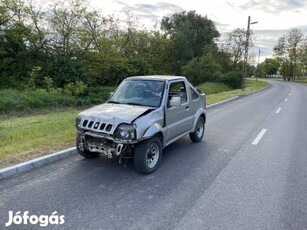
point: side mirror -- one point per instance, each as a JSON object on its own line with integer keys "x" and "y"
{"x": 175, "y": 102}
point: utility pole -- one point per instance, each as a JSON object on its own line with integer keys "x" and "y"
{"x": 246, "y": 52}
{"x": 258, "y": 64}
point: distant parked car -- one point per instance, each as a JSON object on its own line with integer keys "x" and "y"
{"x": 144, "y": 115}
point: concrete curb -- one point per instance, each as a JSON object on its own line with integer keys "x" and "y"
{"x": 37, "y": 162}
{"x": 40, "y": 161}
{"x": 222, "y": 102}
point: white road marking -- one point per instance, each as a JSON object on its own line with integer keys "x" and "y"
{"x": 278, "y": 110}
{"x": 286, "y": 99}
{"x": 258, "y": 138}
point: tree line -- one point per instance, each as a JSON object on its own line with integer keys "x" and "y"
{"x": 67, "y": 44}
{"x": 290, "y": 57}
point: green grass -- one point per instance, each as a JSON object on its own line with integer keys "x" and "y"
{"x": 251, "y": 86}
{"x": 24, "y": 138}
{"x": 302, "y": 80}
{"x": 33, "y": 135}
{"x": 213, "y": 88}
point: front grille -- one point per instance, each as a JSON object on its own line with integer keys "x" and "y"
{"x": 87, "y": 124}
{"x": 99, "y": 141}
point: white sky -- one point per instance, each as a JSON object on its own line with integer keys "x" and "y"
{"x": 275, "y": 17}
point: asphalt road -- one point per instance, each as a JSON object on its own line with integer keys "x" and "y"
{"x": 249, "y": 172}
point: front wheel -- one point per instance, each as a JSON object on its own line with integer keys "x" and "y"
{"x": 147, "y": 155}
{"x": 199, "y": 131}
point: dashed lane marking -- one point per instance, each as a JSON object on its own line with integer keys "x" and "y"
{"x": 258, "y": 138}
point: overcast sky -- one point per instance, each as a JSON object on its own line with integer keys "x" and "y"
{"x": 275, "y": 17}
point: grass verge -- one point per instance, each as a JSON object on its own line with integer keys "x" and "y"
{"x": 27, "y": 137}
{"x": 251, "y": 86}
{"x": 302, "y": 80}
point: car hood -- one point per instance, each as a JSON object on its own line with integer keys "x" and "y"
{"x": 110, "y": 114}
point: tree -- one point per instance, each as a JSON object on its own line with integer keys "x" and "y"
{"x": 92, "y": 28}
{"x": 271, "y": 66}
{"x": 160, "y": 55}
{"x": 288, "y": 49}
{"x": 260, "y": 70}
{"x": 190, "y": 32}
{"x": 64, "y": 21}
{"x": 14, "y": 41}
{"x": 235, "y": 44}
{"x": 202, "y": 69}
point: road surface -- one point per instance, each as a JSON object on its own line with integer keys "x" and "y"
{"x": 249, "y": 172}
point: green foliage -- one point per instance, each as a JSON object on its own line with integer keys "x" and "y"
{"x": 17, "y": 100}
{"x": 36, "y": 80}
{"x": 203, "y": 69}
{"x": 232, "y": 79}
{"x": 13, "y": 100}
{"x": 67, "y": 68}
{"x": 87, "y": 49}
{"x": 260, "y": 70}
{"x": 190, "y": 32}
{"x": 96, "y": 95}
{"x": 291, "y": 53}
{"x": 160, "y": 56}
{"x": 139, "y": 67}
{"x": 77, "y": 88}
{"x": 198, "y": 30}
{"x": 48, "y": 84}
{"x": 271, "y": 66}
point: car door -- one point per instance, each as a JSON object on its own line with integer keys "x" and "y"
{"x": 177, "y": 119}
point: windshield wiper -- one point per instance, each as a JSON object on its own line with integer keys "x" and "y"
{"x": 114, "y": 102}
{"x": 132, "y": 103}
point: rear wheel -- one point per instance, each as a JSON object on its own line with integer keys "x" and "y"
{"x": 83, "y": 152}
{"x": 148, "y": 155}
{"x": 199, "y": 131}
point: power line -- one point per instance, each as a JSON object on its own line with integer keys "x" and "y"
{"x": 234, "y": 7}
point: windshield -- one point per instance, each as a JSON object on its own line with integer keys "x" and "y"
{"x": 139, "y": 92}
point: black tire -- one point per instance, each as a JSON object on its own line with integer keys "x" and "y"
{"x": 199, "y": 131}
{"x": 148, "y": 155}
{"x": 85, "y": 153}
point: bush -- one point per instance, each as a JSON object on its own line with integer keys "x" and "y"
{"x": 203, "y": 69}
{"x": 95, "y": 95}
{"x": 27, "y": 100}
{"x": 77, "y": 88}
{"x": 12, "y": 100}
{"x": 232, "y": 79}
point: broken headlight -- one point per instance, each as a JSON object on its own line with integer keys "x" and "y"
{"x": 78, "y": 121}
{"x": 125, "y": 132}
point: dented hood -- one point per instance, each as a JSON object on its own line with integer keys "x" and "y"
{"x": 114, "y": 113}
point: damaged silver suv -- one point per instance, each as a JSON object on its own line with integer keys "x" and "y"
{"x": 144, "y": 115}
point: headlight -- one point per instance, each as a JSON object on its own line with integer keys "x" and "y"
{"x": 125, "y": 132}
{"x": 78, "y": 121}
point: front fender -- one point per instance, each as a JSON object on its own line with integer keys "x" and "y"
{"x": 152, "y": 130}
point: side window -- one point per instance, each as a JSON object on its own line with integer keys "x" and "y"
{"x": 178, "y": 89}
{"x": 194, "y": 95}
